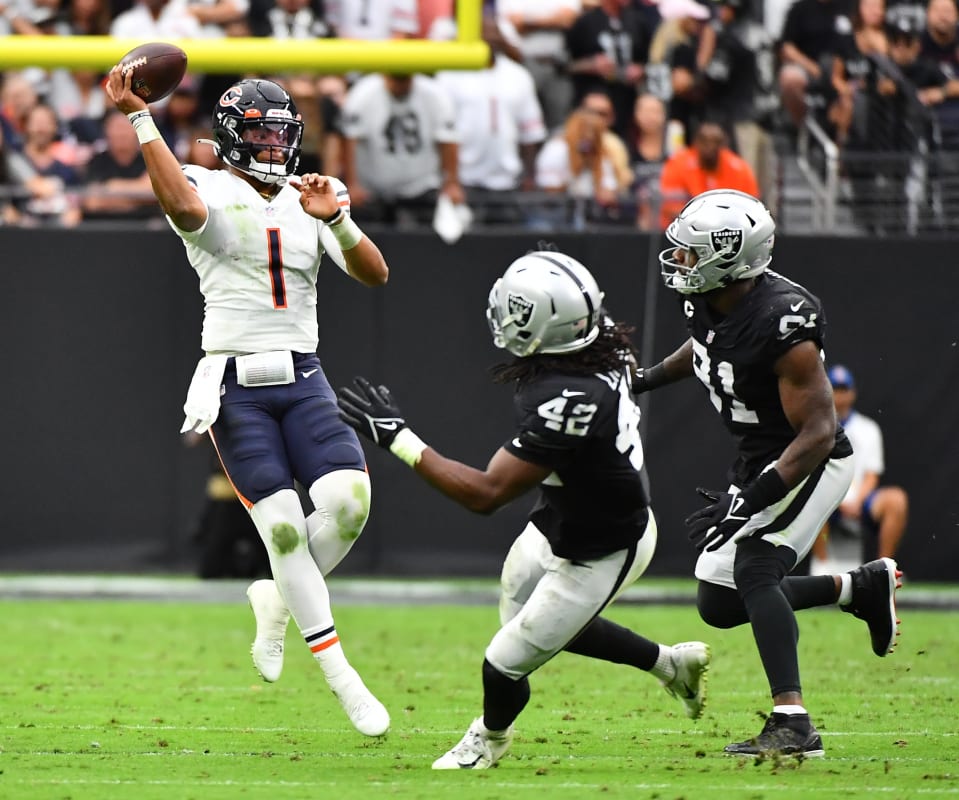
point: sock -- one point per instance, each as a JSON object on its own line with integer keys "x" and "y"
{"x": 664, "y": 668}
{"x": 789, "y": 709}
{"x": 607, "y": 641}
{"x": 845, "y": 593}
{"x": 804, "y": 591}
{"x": 503, "y": 698}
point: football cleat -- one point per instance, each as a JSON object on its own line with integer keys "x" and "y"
{"x": 272, "y": 617}
{"x": 478, "y": 749}
{"x": 874, "y": 587}
{"x": 368, "y": 715}
{"x": 691, "y": 660}
{"x": 782, "y": 735}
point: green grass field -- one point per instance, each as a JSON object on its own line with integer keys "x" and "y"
{"x": 111, "y": 699}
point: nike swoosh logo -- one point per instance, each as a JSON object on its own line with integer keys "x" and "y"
{"x": 469, "y": 764}
{"x": 568, "y": 393}
{"x": 797, "y": 306}
{"x": 309, "y": 372}
{"x": 386, "y": 426}
{"x": 690, "y": 694}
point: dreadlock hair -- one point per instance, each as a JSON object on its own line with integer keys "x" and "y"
{"x": 612, "y": 350}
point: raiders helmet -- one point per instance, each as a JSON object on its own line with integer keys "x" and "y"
{"x": 546, "y": 302}
{"x": 251, "y": 104}
{"x": 719, "y": 237}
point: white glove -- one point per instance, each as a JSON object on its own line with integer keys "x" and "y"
{"x": 202, "y": 405}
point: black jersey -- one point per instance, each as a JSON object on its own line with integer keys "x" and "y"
{"x": 586, "y": 429}
{"x": 734, "y": 356}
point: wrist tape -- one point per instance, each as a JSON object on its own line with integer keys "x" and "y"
{"x": 408, "y": 447}
{"x": 346, "y": 232}
{"x": 144, "y": 126}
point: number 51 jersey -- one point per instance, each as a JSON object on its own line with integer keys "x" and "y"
{"x": 734, "y": 358}
{"x": 586, "y": 429}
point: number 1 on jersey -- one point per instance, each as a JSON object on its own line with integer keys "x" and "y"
{"x": 277, "y": 283}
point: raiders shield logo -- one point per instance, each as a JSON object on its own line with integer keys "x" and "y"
{"x": 520, "y": 309}
{"x": 727, "y": 242}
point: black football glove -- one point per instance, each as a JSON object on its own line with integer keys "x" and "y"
{"x": 711, "y": 527}
{"x": 372, "y": 411}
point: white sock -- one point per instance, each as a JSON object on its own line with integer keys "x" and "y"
{"x": 341, "y": 500}
{"x": 845, "y": 591}
{"x": 664, "y": 668}
{"x": 789, "y": 709}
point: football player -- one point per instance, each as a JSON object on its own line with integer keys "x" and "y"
{"x": 756, "y": 343}
{"x": 591, "y": 533}
{"x": 255, "y": 234}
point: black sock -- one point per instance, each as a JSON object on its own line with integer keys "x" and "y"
{"x": 608, "y": 641}
{"x": 503, "y": 698}
{"x": 809, "y": 592}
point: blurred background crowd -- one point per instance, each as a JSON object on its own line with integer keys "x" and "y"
{"x": 590, "y": 113}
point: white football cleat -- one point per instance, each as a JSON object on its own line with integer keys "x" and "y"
{"x": 691, "y": 660}
{"x": 272, "y": 617}
{"x": 368, "y": 715}
{"x": 478, "y": 749}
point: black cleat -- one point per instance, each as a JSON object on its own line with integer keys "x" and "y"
{"x": 782, "y": 735}
{"x": 874, "y": 601}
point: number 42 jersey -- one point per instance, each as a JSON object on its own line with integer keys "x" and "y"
{"x": 586, "y": 429}
{"x": 734, "y": 357}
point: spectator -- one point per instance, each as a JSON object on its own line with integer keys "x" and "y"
{"x": 288, "y": 19}
{"x": 500, "y": 128}
{"x": 14, "y": 172}
{"x": 200, "y": 152}
{"x": 78, "y": 98}
{"x": 541, "y": 26}
{"x": 686, "y": 86}
{"x": 647, "y": 154}
{"x": 608, "y": 48}
{"x": 876, "y": 514}
{"x": 940, "y": 43}
{"x": 707, "y": 164}
{"x": 373, "y": 20}
{"x": 180, "y": 116}
{"x": 157, "y": 20}
{"x": 598, "y": 105}
{"x": 433, "y": 16}
{"x": 400, "y": 148}
{"x": 220, "y": 18}
{"x": 17, "y": 97}
{"x": 117, "y": 184}
{"x": 576, "y": 163}
{"x": 808, "y": 42}
{"x": 51, "y": 201}
{"x": 741, "y": 90}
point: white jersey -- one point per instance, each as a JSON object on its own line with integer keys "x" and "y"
{"x": 372, "y": 20}
{"x": 539, "y": 43}
{"x": 397, "y": 138}
{"x": 497, "y": 111}
{"x": 865, "y": 436}
{"x": 175, "y": 22}
{"x": 257, "y": 261}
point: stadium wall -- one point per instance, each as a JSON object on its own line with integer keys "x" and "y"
{"x": 102, "y": 329}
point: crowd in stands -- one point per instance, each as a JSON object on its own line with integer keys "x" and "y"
{"x": 590, "y": 111}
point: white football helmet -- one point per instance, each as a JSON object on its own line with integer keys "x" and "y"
{"x": 719, "y": 237}
{"x": 546, "y": 302}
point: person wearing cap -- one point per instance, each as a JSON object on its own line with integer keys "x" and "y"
{"x": 879, "y": 512}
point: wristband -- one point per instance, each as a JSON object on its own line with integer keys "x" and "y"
{"x": 333, "y": 220}
{"x": 767, "y": 489}
{"x": 144, "y": 126}
{"x": 346, "y": 232}
{"x": 408, "y": 447}
{"x": 648, "y": 378}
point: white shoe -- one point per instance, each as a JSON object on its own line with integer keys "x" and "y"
{"x": 272, "y": 617}
{"x": 368, "y": 715}
{"x": 478, "y": 749}
{"x": 691, "y": 660}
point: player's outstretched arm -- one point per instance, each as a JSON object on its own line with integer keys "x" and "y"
{"x": 372, "y": 411}
{"x": 364, "y": 261}
{"x": 173, "y": 191}
{"x": 673, "y": 368}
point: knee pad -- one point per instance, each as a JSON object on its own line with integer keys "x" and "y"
{"x": 341, "y": 501}
{"x": 280, "y": 522}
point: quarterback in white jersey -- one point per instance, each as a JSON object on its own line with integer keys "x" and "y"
{"x": 253, "y": 234}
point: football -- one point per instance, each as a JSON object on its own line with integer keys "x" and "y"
{"x": 157, "y": 67}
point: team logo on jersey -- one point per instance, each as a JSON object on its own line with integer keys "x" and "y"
{"x": 727, "y": 242}
{"x": 520, "y": 309}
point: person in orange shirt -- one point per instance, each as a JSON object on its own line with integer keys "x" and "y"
{"x": 707, "y": 164}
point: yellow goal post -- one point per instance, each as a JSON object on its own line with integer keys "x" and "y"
{"x": 265, "y": 55}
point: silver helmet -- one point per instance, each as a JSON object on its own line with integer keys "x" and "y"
{"x": 719, "y": 237}
{"x": 546, "y": 302}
